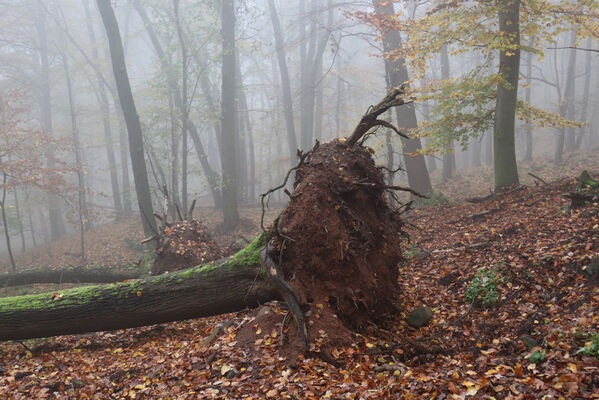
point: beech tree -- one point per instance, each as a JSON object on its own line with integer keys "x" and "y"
{"x": 229, "y": 116}
{"x": 136, "y": 145}
{"x": 485, "y": 97}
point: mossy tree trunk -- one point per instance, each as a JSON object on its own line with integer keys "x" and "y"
{"x": 227, "y": 285}
{"x": 73, "y": 274}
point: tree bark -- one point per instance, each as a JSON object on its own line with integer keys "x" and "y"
{"x": 76, "y": 274}
{"x": 228, "y": 116}
{"x": 136, "y": 146}
{"x": 397, "y": 73}
{"x": 564, "y": 102}
{"x": 5, "y": 223}
{"x": 585, "y": 96}
{"x": 449, "y": 164}
{"x": 81, "y": 197}
{"x": 226, "y": 286}
{"x": 527, "y": 95}
{"x": 505, "y": 166}
{"x": 57, "y": 226}
{"x": 105, "y": 110}
{"x": 285, "y": 82}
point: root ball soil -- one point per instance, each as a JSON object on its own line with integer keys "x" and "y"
{"x": 184, "y": 244}
{"x": 338, "y": 240}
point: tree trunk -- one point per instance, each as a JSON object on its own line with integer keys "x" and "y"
{"x": 570, "y": 93}
{"x": 105, "y": 110}
{"x": 229, "y": 116}
{"x": 76, "y": 274}
{"x": 226, "y": 286}
{"x": 528, "y": 92}
{"x": 585, "y": 96}
{"x": 136, "y": 146}
{"x": 241, "y": 147}
{"x": 505, "y": 166}
{"x": 19, "y": 220}
{"x": 185, "y": 109}
{"x": 449, "y": 164}
{"x": 565, "y": 100}
{"x": 5, "y": 224}
{"x": 81, "y": 201}
{"x": 309, "y": 75}
{"x": 127, "y": 208}
{"x": 285, "y": 82}
{"x": 57, "y": 227}
{"x": 397, "y": 74}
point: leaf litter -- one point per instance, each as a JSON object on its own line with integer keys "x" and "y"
{"x": 524, "y": 346}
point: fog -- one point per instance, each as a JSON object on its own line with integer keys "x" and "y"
{"x": 336, "y": 69}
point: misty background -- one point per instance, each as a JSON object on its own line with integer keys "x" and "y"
{"x": 55, "y": 55}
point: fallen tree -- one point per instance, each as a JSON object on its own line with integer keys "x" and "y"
{"x": 332, "y": 255}
{"x": 72, "y": 274}
{"x": 224, "y": 286}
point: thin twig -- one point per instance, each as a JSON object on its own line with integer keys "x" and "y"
{"x": 538, "y": 178}
{"x": 302, "y": 157}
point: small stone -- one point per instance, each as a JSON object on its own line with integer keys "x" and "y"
{"x": 263, "y": 311}
{"x": 420, "y": 317}
{"x": 592, "y": 270}
{"x": 232, "y": 373}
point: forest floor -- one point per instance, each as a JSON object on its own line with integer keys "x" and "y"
{"x": 521, "y": 251}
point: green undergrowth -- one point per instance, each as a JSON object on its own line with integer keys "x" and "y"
{"x": 483, "y": 289}
{"x": 250, "y": 256}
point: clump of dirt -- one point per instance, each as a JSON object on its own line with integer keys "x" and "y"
{"x": 338, "y": 241}
{"x": 184, "y": 244}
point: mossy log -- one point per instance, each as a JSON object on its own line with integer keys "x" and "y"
{"x": 227, "y": 285}
{"x": 73, "y": 274}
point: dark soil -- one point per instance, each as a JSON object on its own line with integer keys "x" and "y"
{"x": 184, "y": 244}
{"x": 338, "y": 242}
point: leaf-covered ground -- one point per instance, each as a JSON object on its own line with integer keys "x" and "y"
{"x": 522, "y": 346}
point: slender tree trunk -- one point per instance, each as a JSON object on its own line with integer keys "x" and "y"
{"x": 564, "y": 101}
{"x": 340, "y": 98}
{"x": 242, "y": 133}
{"x": 81, "y": 202}
{"x": 228, "y": 116}
{"x": 426, "y": 112}
{"x": 105, "y": 110}
{"x": 449, "y": 163}
{"x": 585, "y": 96}
{"x": 285, "y": 82}
{"x": 185, "y": 110}
{"x": 19, "y": 220}
{"x": 136, "y": 146}
{"x": 31, "y": 227}
{"x": 174, "y": 189}
{"x": 527, "y": 95}
{"x": 397, "y": 74}
{"x": 57, "y": 227}
{"x": 570, "y": 93}
{"x": 310, "y": 79}
{"x": 319, "y": 113}
{"x": 476, "y": 150}
{"x": 488, "y": 136}
{"x": 5, "y": 224}
{"x": 505, "y": 165}
{"x": 124, "y": 156}
{"x": 247, "y": 138}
